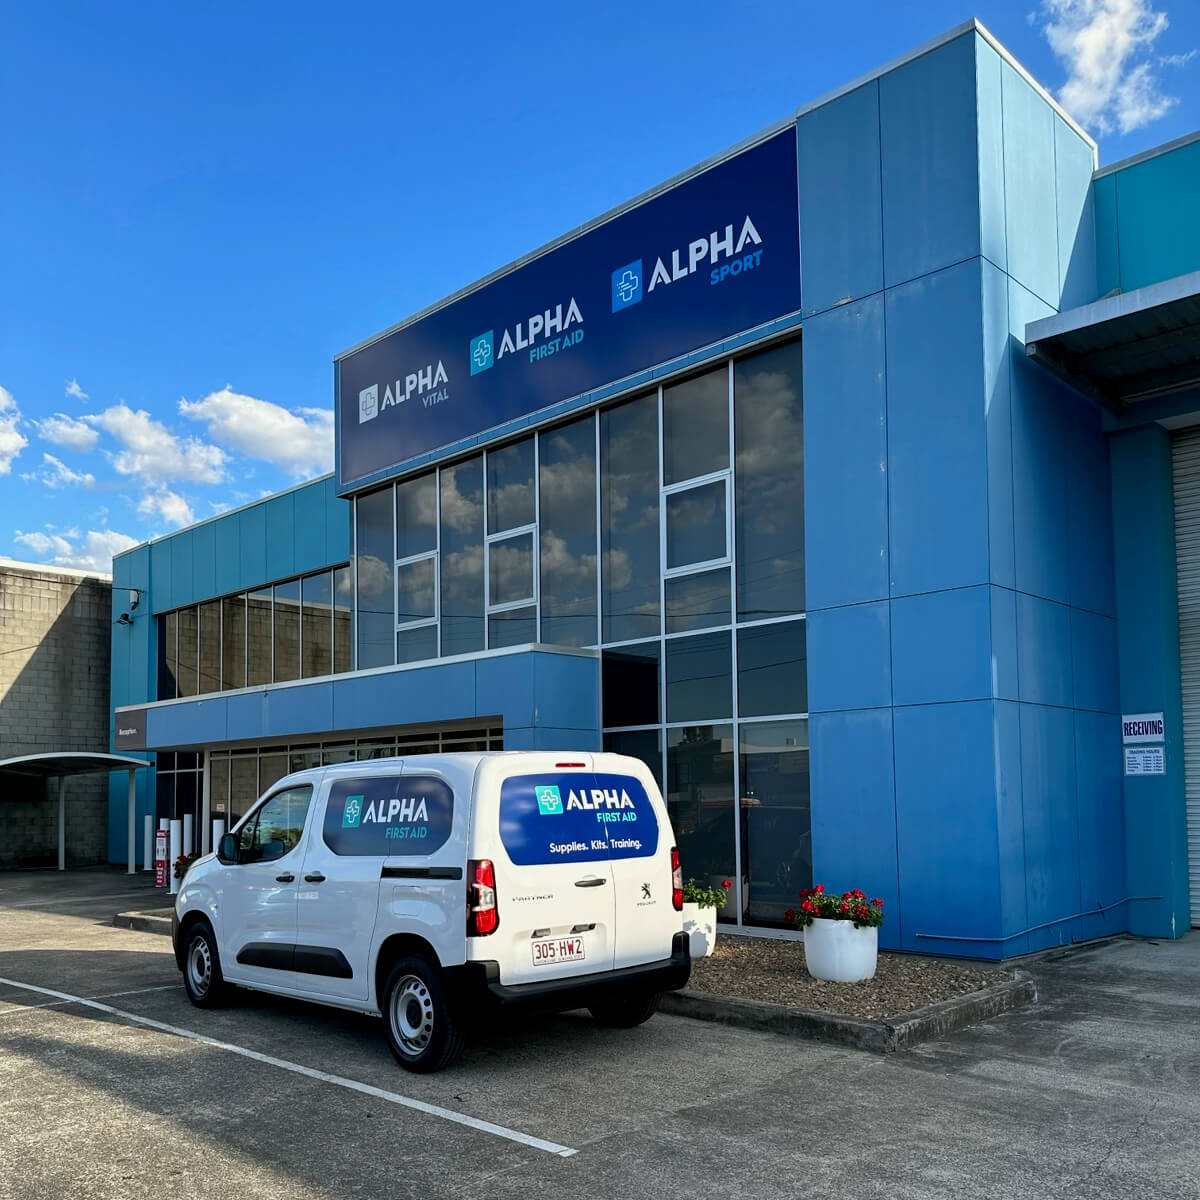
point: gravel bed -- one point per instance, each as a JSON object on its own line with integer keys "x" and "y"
{"x": 773, "y": 970}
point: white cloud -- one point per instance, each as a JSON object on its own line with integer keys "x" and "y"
{"x": 1178, "y": 60}
{"x": 155, "y": 455}
{"x": 55, "y": 474}
{"x": 300, "y": 442}
{"x": 12, "y": 440}
{"x": 67, "y": 431}
{"x": 93, "y": 552}
{"x": 168, "y": 505}
{"x": 73, "y": 389}
{"x": 1105, "y": 46}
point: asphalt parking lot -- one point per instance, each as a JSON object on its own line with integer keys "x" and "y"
{"x": 1093, "y": 1093}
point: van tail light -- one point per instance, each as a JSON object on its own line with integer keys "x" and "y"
{"x": 676, "y": 881}
{"x": 482, "y": 915}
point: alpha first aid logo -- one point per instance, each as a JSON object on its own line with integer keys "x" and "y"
{"x": 352, "y": 813}
{"x": 627, "y": 285}
{"x": 549, "y": 801}
{"x": 368, "y": 403}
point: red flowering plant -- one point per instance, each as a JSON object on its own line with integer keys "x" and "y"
{"x": 705, "y": 897}
{"x": 849, "y": 906}
{"x": 182, "y": 863}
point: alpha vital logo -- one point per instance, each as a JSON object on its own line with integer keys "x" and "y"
{"x": 430, "y": 384}
{"x": 725, "y": 255}
{"x": 542, "y": 334}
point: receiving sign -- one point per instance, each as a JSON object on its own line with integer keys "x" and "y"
{"x": 715, "y": 256}
{"x": 1137, "y": 730}
{"x": 1142, "y": 727}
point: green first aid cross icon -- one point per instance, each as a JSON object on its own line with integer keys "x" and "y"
{"x": 549, "y": 801}
{"x": 352, "y": 813}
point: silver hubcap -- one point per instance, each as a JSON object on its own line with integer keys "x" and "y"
{"x": 412, "y": 1014}
{"x": 199, "y": 965}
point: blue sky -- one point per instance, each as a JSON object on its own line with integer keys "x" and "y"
{"x": 202, "y": 204}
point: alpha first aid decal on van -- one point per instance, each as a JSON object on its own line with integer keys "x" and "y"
{"x": 576, "y": 818}
{"x": 388, "y": 815}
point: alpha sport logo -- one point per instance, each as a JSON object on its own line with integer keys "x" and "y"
{"x": 430, "y": 384}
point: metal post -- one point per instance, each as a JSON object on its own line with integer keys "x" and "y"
{"x": 147, "y": 843}
{"x": 62, "y": 822}
{"x": 132, "y": 822}
{"x": 206, "y": 804}
{"x": 187, "y": 833}
{"x": 172, "y": 854}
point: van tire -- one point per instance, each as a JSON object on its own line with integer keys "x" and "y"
{"x": 626, "y": 1011}
{"x": 421, "y": 1027}
{"x": 202, "y": 978}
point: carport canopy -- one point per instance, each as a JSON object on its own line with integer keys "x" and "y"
{"x": 72, "y": 762}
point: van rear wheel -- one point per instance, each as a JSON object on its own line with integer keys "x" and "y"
{"x": 626, "y": 1011}
{"x": 421, "y": 1029}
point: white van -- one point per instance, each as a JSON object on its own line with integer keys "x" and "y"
{"x": 427, "y": 888}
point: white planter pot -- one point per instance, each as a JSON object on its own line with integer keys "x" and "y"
{"x": 837, "y": 952}
{"x": 700, "y": 924}
{"x": 728, "y": 910}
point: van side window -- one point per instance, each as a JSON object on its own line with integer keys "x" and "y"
{"x": 276, "y": 829}
{"x": 388, "y": 816}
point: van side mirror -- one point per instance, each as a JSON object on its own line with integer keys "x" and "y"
{"x": 227, "y": 849}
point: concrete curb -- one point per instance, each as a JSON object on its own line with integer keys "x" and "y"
{"x": 885, "y": 1036}
{"x": 146, "y": 922}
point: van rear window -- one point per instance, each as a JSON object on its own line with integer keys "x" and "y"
{"x": 580, "y": 817}
{"x": 388, "y": 816}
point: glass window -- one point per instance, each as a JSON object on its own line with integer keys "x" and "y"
{"x": 403, "y": 815}
{"x": 218, "y": 785}
{"x": 698, "y": 601}
{"x": 337, "y": 752}
{"x": 699, "y": 678}
{"x": 700, "y": 800}
{"x": 629, "y": 529}
{"x": 277, "y": 827}
{"x": 188, "y": 651}
{"x": 776, "y": 818}
{"x": 187, "y": 796}
{"x": 258, "y": 637}
{"x": 696, "y": 426}
{"x": 376, "y": 560}
{"x": 210, "y": 648}
{"x": 243, "y": 785}
{"x": 462, "y": 557}
{"x": 513, "y": 627}
{"x": 645, "y": 744}
{"x": 510, "y": 486}
{"x": 316, "y": 639}
{"x": 233, "y": 642}
{"x": 630, "y": 684}
{"x": 567, "y": 479}
{"x": 376, "y": 748}
{"x": 272, "y": 767}
{"x": 168, "y": 651}
{"x": 287, "y": 630}
{"x": 301, "y": 758}
{"x": 416, "y": 644}
{"x": 510, "y": 569}
{"x": 415, "y": 598}
{"x": 769, "y": 435}
{"x": 343, "y": 598}
{"x": 772, "y": 670}
{"x": 696, "y": 526}
{"x": 416, "y": 515}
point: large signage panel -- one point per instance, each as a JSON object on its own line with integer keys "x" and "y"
{"x": 715, "y": 256}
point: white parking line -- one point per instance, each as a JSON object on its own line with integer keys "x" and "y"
{"x": 353, "y": 1085}
{"x": 20, "y": 1008}
{"x": 80, "y": 899}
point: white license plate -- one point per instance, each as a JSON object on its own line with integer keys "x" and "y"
{"x": 558, "y": 950}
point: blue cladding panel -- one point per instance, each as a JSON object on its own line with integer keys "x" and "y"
{"x": 841, "y": 231}
{"x": 1005, "y": 677}
{"x": 161, "y": 585}
{"x": 997, "y": 382}
{"x": 281, "y": 527}
{"x": 1089, "y": 508}
{"x": 312, "y": 512}
{"x": 506, "y": 685}
{"x": 946, "y": 818}
{"x": 567, "y": 690}
{"x": 845, "y": 456}
{"x": 337, "y": 526}
{"x": 1050, "y": 823}
{"x": 547, "y": 737}
{"x": 1073, "y": 159}
{"x": 438, "y": 693}
{"x": 1094, "y": 661}
{"x": 199, "y": 723}
{"x": 204, "y": 562}
{"x": 1101, "y": 823}
{"x": 938, "y": 484}
{"x": 1044, "y": 651}
{"x": 252, "y": 545}
{"x": 930, "y": 162}
{"x": 1010, "y": 829}
{"x": 1029, "y": 187}
{"x": 247, "y": 713}
{"x": 941, "y": 646}
{"x": 990, "y": 103}
{"x": 1108, "y": 259}
{"x": 228, "y": 554}
{"x": 854, "y": 809}
{"x": 181, "y": 568}
{"x": 306, "y": 709}
{"x": 848, "y": 657}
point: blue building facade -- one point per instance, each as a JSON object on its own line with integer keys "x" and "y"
{"x": 864, "y": 538}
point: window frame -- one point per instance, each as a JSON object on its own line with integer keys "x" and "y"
{"x": 256, "y": 812}
{"x": 708, "y": 564}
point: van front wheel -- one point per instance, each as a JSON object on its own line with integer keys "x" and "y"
{"x": 625, "y": 1012}
{"x": 421, "y": 1029}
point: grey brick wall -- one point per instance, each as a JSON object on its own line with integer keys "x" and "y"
{"x": 55, "y": 634}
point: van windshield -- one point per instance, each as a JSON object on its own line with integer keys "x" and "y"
{"x": 581, "y": 817}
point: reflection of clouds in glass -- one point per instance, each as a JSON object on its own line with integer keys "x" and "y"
{"x": 510, "y": 569}
{"x": 573, "y": 575}
{"x": 416, "y": 514}
{"x": 415, "y": 590}
{"x": 510, "y": 486}
{"x": 696, "y": 426}
{"x": 701, "y": 506}
{"x": 374, "y": 581}
{"x": 462, "y": 512}
{"x": 771, "y": 464}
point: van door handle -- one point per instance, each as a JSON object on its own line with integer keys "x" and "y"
{"x": 284, "y": 878}
{"x": 315, "y": 877}
{"x": 589, "y": 882}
